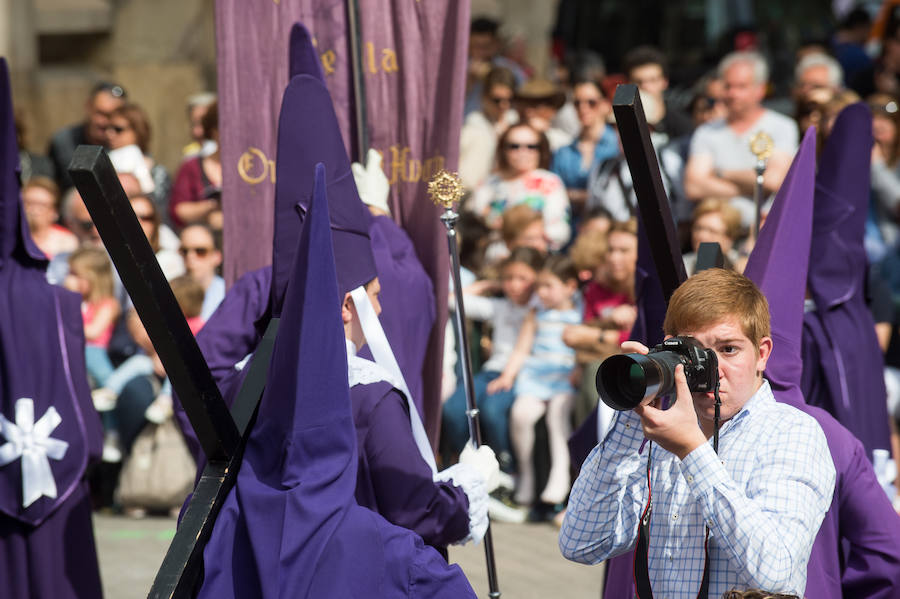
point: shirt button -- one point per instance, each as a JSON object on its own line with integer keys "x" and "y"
{"x": 709, "y": 523}
{"x": 674, "y": 516}
{"x": 627, "y": 425}
{"x": 690, "y": 478}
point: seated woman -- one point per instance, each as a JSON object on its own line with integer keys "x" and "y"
{"x": 40, "y": 196}
{"x": 715, "y": 220}
{"x": 522, "y": 178}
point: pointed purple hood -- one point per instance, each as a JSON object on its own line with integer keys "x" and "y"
{"x": 841, "y": 207}
{"x": 15, "y": 239}
{"x": 778, "y": 266}
{"x": 41, "y": 355}
{"x": 308, "y": 134}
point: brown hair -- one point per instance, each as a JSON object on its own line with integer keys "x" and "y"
{"x": 730, "y": 215}
{"x": 189, "y": 295}
{"x": 528, "y": 256}
{"x": 543, "y": 147}
{"x": 589, "y": 250}
{"x": 138, "y": 121}
{"x": 498, "y": 76}
{"x": 210, "y": 120}
{"x": 93, "y": 265}
{"x": 714, "y": 295}
{"x": 516, "y": 219}
{"x": 48, "y": 185}
{"x": 624, "y": 226}
{"x": 561, "y": 266}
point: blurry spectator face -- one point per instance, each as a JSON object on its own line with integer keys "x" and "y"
{"x": 621, "y": 257}
{"x": 538, "y": 113}
{"x": 650, "y": 79}
{"x": 483, "y": 46}
{"x": 552, "y": 291}
{"x": 201, "y": 258}
{"x": 812, "y": 79}
{"x": 522, "y": 150}
{"x": 533, "y": 236}
{"x": 884, "y": 130}
{"x": 196, "y": 119}
{"x": 496, "y": 102}
{"x": 99, "y": 109}
{"x": 80, "y": 223}
{"x": 710, "y": 227}
{"x": 590, "y": 105}
{"x": 711, "y": 105}
{"x": 518, "y": 282}
{"x": 120, "y": 133}
{"x": 146, "y": 215}
{"x": 40, "y": 208}
{"x": 599, "y": 224}
{"x": 743, "y": 94}
{"x": 130, "y": 184}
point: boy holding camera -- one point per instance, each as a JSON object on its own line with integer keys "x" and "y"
{"x": 746, "y": 517}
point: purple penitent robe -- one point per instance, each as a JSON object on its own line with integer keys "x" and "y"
{"x": 46, "y": 537}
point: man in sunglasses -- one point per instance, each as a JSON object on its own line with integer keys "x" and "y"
{"x": 482, "y": 128}
{"x": 104, "y": 98}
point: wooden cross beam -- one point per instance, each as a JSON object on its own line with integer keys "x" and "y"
{"x": 221, "y": 434}
{"x": 656, "y": 214}
{"x": 709, "y": 255}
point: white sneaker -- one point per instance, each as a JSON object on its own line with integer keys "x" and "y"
{"x": 159, "y": 410}
{"x": 501, "y": 512}
{"x": 104, "y": 399}
{"x": 506, "y": 481}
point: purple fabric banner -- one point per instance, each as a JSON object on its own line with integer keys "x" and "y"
{"x": 414, "y": 60}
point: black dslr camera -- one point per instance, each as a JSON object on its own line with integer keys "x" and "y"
{"x": 626, "y": 381}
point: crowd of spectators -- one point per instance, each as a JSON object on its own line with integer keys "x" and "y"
{"x": 548, "y": 227}
{"x": 543, "y": 166}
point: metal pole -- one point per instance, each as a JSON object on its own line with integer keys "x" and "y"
{"x": 359, "y": 81}
{"x": 449, "y": 218}
{"x": 446, "y": 190}
{"x": 761, "y": 145}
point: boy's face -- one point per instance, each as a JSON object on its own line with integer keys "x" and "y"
{"x": 740, "y": 363}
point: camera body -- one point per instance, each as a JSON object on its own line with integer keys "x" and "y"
{"x": 626, "y": 381}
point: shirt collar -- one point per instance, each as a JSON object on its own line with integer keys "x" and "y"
{"x": 757, "y": 401}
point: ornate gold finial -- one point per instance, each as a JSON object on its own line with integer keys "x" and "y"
{"x": 445, "y": 189}
{"x": 761, "y": 145}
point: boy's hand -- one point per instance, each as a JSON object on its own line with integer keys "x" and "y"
{"x": 676, "y": 429}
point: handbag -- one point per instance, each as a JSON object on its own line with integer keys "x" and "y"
{"x": 160, "y": 471}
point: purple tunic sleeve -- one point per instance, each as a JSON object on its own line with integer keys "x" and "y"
{"x": 393, "y": 478}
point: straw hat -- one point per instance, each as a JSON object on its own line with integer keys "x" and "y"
{"x": 541, "y": 90}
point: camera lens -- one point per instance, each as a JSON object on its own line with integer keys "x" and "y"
{"x": 625, "y": 381}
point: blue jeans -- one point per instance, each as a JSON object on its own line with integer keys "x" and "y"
{"x": 99, "y": 367}
{"x": 493, "y": 415}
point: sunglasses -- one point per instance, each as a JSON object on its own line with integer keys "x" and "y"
{"x": 116, "y": 128}
{"x": 592, "y": 103}
{"x": 201, "y": 252}
{"x": 144, "y": 217}
{"x": 532, "y": 147}
{"x": 500, "y": 100}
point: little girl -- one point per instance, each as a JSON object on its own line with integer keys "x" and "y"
{"x": 90, "y": 274}
{"x": 517, "y": 275}
{"x": 543, "y": 385}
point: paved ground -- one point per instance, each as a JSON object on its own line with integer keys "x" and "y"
{"x": 528, "y": 562}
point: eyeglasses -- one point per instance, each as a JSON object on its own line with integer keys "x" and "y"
{"x": 593, "y": 103}
{"x": 201, "y": 251}
{"x": 513, "y": 146}
{"x": 116, "y": 128}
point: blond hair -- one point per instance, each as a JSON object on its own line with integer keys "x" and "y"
{"x": 714, "y": 295}
{"x": 589, "y": 250}
{"x": 93, "y": 265}
{"x": 730, "y": 215}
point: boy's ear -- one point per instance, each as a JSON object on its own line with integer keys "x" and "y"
{"x": 347, "y": 309}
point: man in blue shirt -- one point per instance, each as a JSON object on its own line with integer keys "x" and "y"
{"x": 761, "y": 499}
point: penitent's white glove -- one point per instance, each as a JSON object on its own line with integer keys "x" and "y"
{"x": 371, "y": 182}
{"x": 484, "y": 462}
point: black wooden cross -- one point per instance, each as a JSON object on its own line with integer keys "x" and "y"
{"x": 656, "y": 214}
{"x": 221, "y": 433}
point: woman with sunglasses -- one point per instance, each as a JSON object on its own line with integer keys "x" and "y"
{"x": 595, "y": 143}
{"x": 201, "y": 261}
{"x": 522, "y": 178}
{"x": 128, "y": 133}
{"x": 478, "y": 138}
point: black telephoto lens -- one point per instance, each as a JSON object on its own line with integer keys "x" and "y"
{"x": 626, "y": 381}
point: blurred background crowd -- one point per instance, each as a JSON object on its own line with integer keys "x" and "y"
{"x": 548, "y": 228}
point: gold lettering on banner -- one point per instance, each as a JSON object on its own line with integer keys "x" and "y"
{"x": 253, "y": 166}
{"x": 370, "y": 53}
{"x": 404, "y": 168}
{"x": 389, "y": 61}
